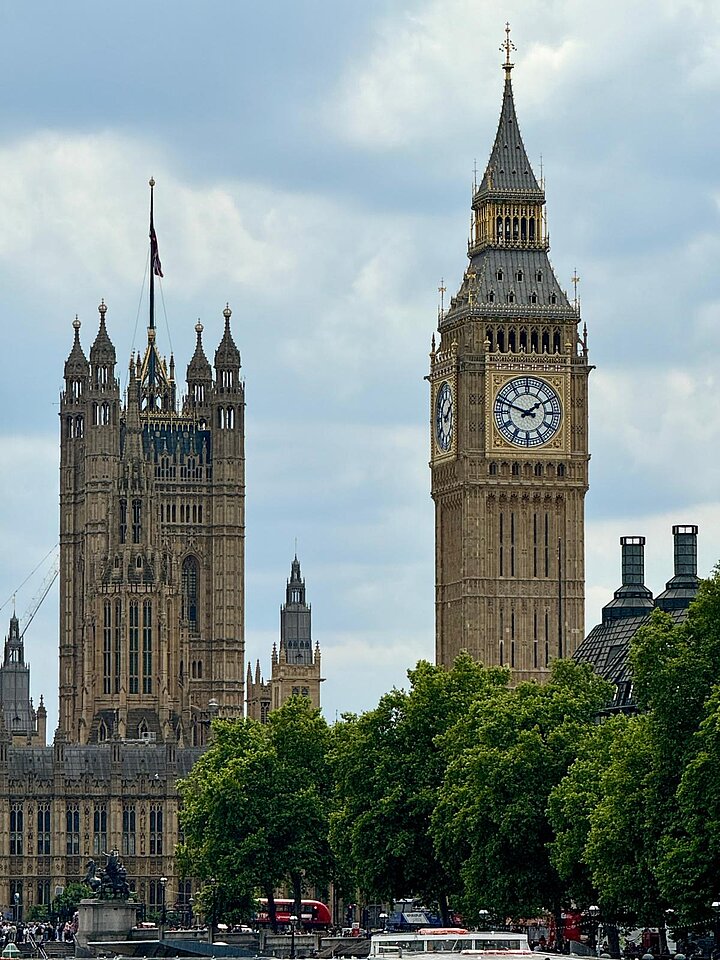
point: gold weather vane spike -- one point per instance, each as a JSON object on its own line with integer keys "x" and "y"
{"x": 575, "y": 281}
{"x": 507, "y": 46}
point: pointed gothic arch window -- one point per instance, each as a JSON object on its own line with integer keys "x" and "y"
{"x": 553, "y": 298}
{"x": 142, "y": 729}
{"x": 491, "y": 297}
{"x": 489, "y": 337}
{"x": 512, "y": 340}
{"x": 538, "y": 276}
{"x": 561, "y": 470}
{"x": 499, "y": 228}
{"x": 523, "y": 229}
{"x": 556, "y": 340}
{"x": 511, "y": 297}
{"x": 533, "y": 297}
{"x": 516, "y": 228}
{"x": 519, "y": 275}
{"x": 102, "y": 732}
{"x": 534, "y": 341}
{"x": 190, "y": 591}
{"x": 501, "y": 340}
{"x": 136, "y": 520}
{"x": 493, "y": 469}
{"x": 507, "y": 228}
{"x": 523, "y": 340}
{"x": 531, "y": 228}
{"x": 499, "y": 274}
{"x": 546, "y": 340}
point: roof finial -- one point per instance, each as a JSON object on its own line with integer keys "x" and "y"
{"x": 575, "y": 280}
{"x": 441, "y": 290}
{"x": 507, "y": 46}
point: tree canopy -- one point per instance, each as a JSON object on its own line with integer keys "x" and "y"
{"x": 255, "y": 809}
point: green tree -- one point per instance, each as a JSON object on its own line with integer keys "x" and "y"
{"x": 626, "y": 824}
{"x": 65, "y": 904}
{"x": 491, "y": 824}
{"x": 690, "y": 850}
{"x": 255, "y": 810}
{"x": 388, "y": 769}
{"x": 300, "y": 738}
{"x": 571, "y": 804}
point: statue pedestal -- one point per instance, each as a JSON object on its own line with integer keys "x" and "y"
{"x": 105, "y": 920}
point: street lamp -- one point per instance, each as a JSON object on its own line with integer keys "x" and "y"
{"x": 594, "y": 912}
{"x": 716, "y": 910}
{"x": 16, "y": 903}
{"x": 383, "y": 917}
{"x": 293, "y": 921}
{"x": 483, "y": 919}
{"x": 163, "y": 914}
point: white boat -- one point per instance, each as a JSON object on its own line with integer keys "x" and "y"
{"x": 450, "y": 941}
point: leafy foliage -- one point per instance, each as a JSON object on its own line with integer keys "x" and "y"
{"x": 66, "y": 903}
{"x": 491, "y": 825}
{"x": 388, "y": 769}
{"x": 255, "y": 809}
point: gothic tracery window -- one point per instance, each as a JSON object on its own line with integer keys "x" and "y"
{"x": 190, "y": 592}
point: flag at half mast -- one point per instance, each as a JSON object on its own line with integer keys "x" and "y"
{"x": 154, "y": 253}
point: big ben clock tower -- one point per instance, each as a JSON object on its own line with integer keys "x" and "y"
{"x": 509, "y": 439}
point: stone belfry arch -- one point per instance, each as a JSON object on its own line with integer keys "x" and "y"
{"x": 509, "y": 432}
{"x": 152, "y": 538}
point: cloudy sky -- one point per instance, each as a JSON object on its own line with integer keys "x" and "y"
{"x": 313, "y": 161}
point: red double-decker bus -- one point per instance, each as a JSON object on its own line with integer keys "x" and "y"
{"x": 314, "y": 915}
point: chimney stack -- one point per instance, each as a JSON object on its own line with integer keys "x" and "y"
{"x": 682, "y": 588}
{"x": 632, "y": 599}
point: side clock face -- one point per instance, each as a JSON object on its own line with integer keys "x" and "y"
{"x": 444, "y": 414}
{"x": 527, "y": 412}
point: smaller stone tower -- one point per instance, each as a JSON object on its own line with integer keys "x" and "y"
{"x": 295, "y": 667}
{"x": 24, "y": 724}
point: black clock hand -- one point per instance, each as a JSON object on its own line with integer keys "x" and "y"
{"x": 524, "y": 411}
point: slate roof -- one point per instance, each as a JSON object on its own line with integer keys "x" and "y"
{"x": 137, "y": 759}
{"x": 508, "y": 169}
{"x": 606, "y": 649}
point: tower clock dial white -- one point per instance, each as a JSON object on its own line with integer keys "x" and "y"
{"x": 527, "y": 411}
{"x": 444, "y": 416}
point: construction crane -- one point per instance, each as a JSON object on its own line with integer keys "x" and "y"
{"x": 44, "y": 590}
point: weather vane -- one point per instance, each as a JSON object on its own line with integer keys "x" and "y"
{"x": 441, "y": 290}
{"x": 575, "y": 281}
{"x": 507, "y": 46}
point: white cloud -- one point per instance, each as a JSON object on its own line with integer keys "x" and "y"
{"x": 434, "y": 73}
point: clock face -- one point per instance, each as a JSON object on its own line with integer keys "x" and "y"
{"x": 444, "y": 416}
{"x": 527, "y": 411}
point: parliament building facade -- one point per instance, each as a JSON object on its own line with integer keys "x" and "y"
{"x": 151, "y": 648}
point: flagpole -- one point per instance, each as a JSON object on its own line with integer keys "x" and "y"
{"x": 152, "y": 271}
{"x": 151, "y": 326}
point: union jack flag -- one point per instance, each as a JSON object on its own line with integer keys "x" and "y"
{"x": 154, "y": 254}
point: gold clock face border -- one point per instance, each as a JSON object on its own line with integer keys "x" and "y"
{"x": 437, "y": 451}
{"x": 557, "y": 444}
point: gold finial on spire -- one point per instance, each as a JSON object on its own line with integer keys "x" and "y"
{"x": 507, "y": 46}
{"x": 575, "y": 279}
{"x": 441, "y": 290}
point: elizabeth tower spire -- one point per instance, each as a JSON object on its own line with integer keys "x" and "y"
{"x": 509, "y": 440}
